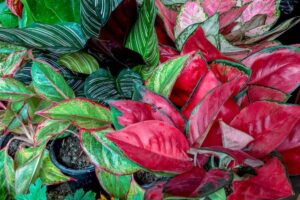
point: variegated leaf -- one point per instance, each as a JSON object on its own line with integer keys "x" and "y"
{"x": 59, "y": 38}
{"x": 95, "y": 14}
{"x": 7, "y": 175}
{"x": 79, "y": 62}
{"x": 13, "y": 90}
{"x": 142, "y": 37}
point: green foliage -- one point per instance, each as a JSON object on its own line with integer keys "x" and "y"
{"x": 81, "y": 195}
{"x": 36, "y": 191}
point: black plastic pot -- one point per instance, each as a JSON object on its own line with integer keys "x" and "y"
{"x": 4, "y": 140}
{"x": 83, "y": 178}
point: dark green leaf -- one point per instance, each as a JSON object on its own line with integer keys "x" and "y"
{"x": 101, "y": 85}
{"x": 59, "y": 38}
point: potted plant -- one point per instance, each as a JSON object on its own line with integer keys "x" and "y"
{"x": 158, "y": 99}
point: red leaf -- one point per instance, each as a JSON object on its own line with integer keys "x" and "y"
{"x": 120, "y": 22}
{"x": 261, "y": 93}
{"x": 155, "y": 145}
{"x": 15, "y": 7}
{"x": 291, "y": 158}
{"x": 293, "y": 139}
{"x": 220, "y": 6}
{"x": 233, "y": 138}
{"x": 128, "y": 112}
{"x": 274, "y": 66}
{"x": 197, "y": 182}
{"x": 198, "y": 42}
{"x": 168, "y": 17}
{"x": 270, "y": 183}
{"x": 228, "y": 111}
{"x": 206, "y": 84}
{"x": 194, "y": 70}
{"x": 163, "y": 105}
{"x": 155, "y": 192}
{"x": 206, "y": 112}
{"x": 166, "y": 53}
{"x": 268, "y": 123}
{"x": 226, "y": 70}
{"x": 162, "y": 35}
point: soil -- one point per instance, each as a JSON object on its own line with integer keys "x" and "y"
{"x": 13, "y": 147}
{"x": 59, "y": 192}
{"x": 145, "y": 178}
{"x": 71, "y": 155}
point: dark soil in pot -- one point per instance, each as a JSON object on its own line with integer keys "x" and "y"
{"x": 13, "y": 146}
{"x": 68, "y": 156}
{"x": 146, "y": 179}
{"x": 71, "y": 155}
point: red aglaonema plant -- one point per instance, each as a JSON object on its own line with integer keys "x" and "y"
{"x": 203, "y": 110}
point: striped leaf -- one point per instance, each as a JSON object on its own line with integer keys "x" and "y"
{"x": 50, "y": 84}
{"x": 60, "y": 38}
{"x": 13, "y": 90}
{"x": 79, "y": 62}
{"x": 101, "y": 85}
{"x": 142, "y": 37}
{"x": 24, "y": 73}
{"x": 95, "y": 14}
{"x": 80, "y": 112}
{"x": 163, "y": 77}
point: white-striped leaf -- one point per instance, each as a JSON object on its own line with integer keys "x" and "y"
{"x": 60, "y": 38}
{"x": 50, "y": 84}
{"x": 79, "y": 62}
{"x": 101, "y": 85}
{"x": 142, "y": 37}
{"x": 95, "y": 14}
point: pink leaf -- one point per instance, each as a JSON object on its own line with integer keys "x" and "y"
{"x": 127, "y": 112}
{"x": 220, "y": 6}
{"x": 194, "y": 70}
{"x": 274, "y": 66}
{"x": 15, "y": 7}
{"x": 270, "y": 183}
{"x": 268, "y": 123}
{"x": 206, "y": 112}
{"x": 293, "y": 139}
{"x": 233, "y": 138}
{"x": 261, "y": 93}
{"x": 155, "y": 145}
{"x": 206, "y": 84}
{"x": 166, "y": 53}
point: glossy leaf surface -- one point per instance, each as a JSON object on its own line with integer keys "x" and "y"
{"x": 50, "y": 84}
{"x": 81, "y": 112}
{"x": 7, "y": 174}
{"x": 155, "y": 145}
{"x": 13, "y": 90}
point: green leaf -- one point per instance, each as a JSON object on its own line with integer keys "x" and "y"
{"x": 108, "y": 156}
{"x": 184, "y": 35}
{"x": 102, "y": 86}
{"x": 50, "y": 84}
{"x": 36, "y": 191}
{"x": 81, "y": 112}
{"x": 12, "y": 63}
{"x": 116, "y": 186}
{"x": 33, "y": 163}
{"x": 59, "y": 38}
{"x": 135, "y": 192}
{"x": 7, "y": 176}
{"x": 48, "y": 129}
{"x": 13, "y": 90}
{"x": 95, "y": 14}
{"x": 52, "y": 12}
{"x": 7, "y": 18}
{"x": 164, "y": 76}
{"x": 79, "y": 62}
{"x": 142, "y": 37}
{"x": 81, "y": 195}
